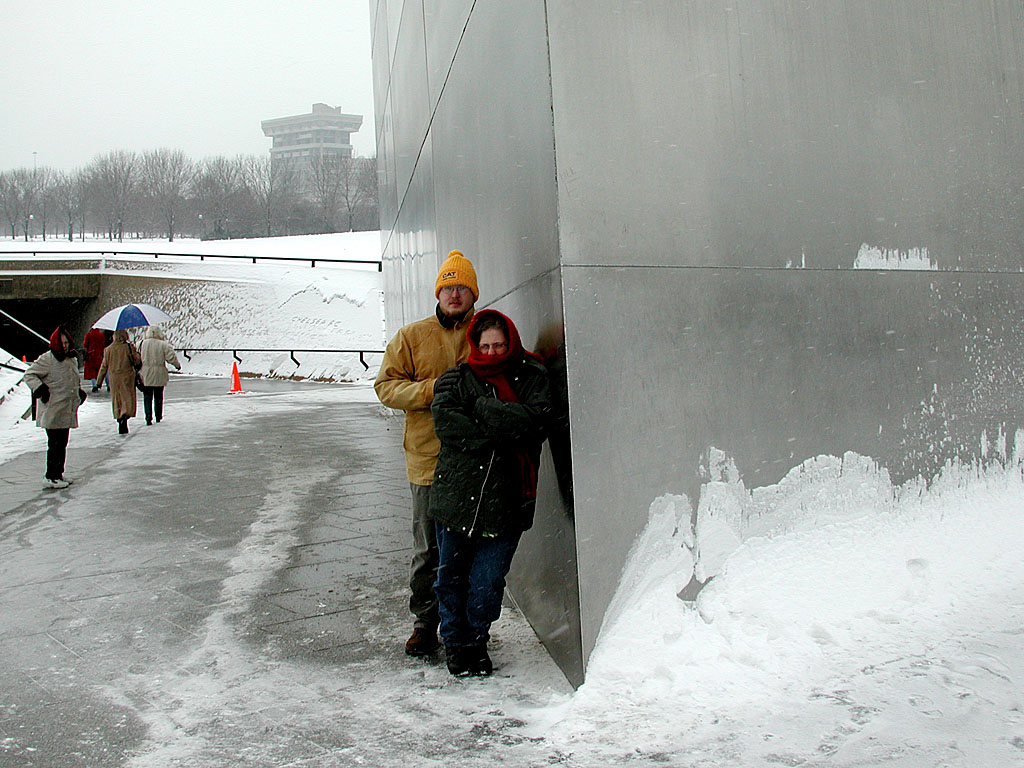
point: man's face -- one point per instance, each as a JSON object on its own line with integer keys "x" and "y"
{"x": 455, "y": 300}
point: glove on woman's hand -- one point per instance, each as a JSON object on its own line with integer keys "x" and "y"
{"x": 81, "y": 396}
{"x": 43, "y": 393}
{"x": 446, "y": 382}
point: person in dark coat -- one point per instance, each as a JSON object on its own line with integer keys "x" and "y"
{"x": 491, "y": 416}
{"x": 53, "y": 379}
{"x": 95, "y": 343}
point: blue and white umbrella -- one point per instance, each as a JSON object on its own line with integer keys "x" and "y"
{"x": 131, "y": 316}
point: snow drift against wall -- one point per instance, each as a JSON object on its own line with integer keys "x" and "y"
{"x": 844, "y": 618}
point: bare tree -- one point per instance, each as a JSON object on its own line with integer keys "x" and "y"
{"x": 44, "y": 203}
{"x": 23, "y": 191}
{"x": 115, "y": 181}
{"x": 69, "y": 196}
{"x": 216, "y": 189}
{"x": 349, "y": 190}
{"x": 369, "y": 200}
{"x": 272, "y": 186}
{"x": 324, "y": 184}
{"x": 167, "y": 175}
{"x": 10, "y": 201}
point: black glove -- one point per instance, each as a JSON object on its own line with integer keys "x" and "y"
{"x": 43, "y": 393}
{"x": 81, "y": 396}
{"x": 447, "y": 381}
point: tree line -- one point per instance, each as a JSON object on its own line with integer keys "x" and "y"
{"x": 164, "y": 193}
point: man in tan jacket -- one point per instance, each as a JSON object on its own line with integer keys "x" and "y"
{"x": 418, "y": 354}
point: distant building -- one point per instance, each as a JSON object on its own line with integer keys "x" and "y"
{"x": 323, "y": 132}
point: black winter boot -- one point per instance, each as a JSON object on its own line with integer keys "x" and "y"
{"x": 469, "y": 660}
{"x": 458, "y": 661}
{"x": 479, "y": 662}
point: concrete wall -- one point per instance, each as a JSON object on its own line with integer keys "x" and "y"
{"x": 686, "y": 188}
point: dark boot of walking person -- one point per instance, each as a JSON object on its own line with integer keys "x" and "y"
{"x": 122, "y": 425}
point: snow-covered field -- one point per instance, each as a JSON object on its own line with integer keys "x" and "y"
{"x": 848, "y": 622}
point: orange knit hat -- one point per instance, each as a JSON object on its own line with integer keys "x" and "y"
{"x": 457, "y": 270}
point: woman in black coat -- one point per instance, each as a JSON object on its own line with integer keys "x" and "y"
{"x": 491, "y": 415}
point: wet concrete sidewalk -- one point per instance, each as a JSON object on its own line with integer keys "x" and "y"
{"x": 228, "y": 588}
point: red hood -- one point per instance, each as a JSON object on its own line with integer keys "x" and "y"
{"x": 55, "y": 345}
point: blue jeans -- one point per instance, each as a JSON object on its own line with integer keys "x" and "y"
{"x": 470, "y": 584}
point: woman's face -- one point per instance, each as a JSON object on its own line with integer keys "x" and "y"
{"x": 493, "y": 342}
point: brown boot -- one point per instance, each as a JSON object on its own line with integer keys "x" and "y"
{"x": 422, "y": 642}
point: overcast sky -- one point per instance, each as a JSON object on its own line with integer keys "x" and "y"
{"x": 78, "y": 78}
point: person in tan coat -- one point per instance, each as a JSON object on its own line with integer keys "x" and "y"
{"x": 414, "y": 359}
{"x": 121, "y": 361}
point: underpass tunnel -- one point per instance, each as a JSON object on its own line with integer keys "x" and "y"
{"x": 42, "y": 316}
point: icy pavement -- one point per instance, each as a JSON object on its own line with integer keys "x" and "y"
{"x": 228, "y": 588}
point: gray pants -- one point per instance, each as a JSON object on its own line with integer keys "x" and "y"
{"x": 423, "y": 571}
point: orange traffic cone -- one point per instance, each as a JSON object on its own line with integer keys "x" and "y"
{"x": 236, "y": 383}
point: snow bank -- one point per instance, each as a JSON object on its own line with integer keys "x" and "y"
{"x": 15, "y": 398}
{"x": 844, "y": 619}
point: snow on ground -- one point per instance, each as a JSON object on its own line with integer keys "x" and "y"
{"x": 873, "y": 257}
{"x": 847, "y": 622}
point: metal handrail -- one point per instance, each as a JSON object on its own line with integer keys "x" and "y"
{"x": 291, "y": 352}
{"x": 200, "y": 256}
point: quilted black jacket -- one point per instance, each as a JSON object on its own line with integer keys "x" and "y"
{"x": 478, "y": 483}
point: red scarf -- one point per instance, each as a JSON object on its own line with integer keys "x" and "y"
{"x": 491, "y": 368}
{"x": 55, "y": 345}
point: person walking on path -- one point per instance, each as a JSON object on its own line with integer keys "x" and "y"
{"x": 157, "y": 354}
{"x": 414, "y": 358}
{"x": 95, "y": 343}
{"x": 57, "y": 388}
{"x": 491, "y": 415}
{"x": 122, "y": 361}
